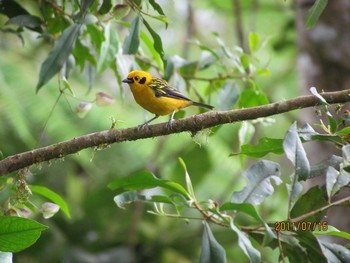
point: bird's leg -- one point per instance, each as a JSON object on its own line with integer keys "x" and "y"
{"x": 146, "y": 123}
{"x": 170, "y": 122}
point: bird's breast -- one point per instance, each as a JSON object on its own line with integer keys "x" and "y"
{"x": 146, "y": 98}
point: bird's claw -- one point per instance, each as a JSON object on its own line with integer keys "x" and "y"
{"x": 169, "y": 125}
{"x": 142, "y": 126}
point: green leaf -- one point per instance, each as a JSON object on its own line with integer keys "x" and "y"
{"x": 11, "y": 8}
{"x": 67, "y": 86}
{"x": 322, "y": 167}
{"x": 29, "y": 21}
{"x": 188, "y": 179}
{"x": 105, "y": 7}
{"x": 51, "y": 195}
{"x": 307, "y": 133}
{"x": 249, "y": 209}
{"x": 17, "y": 233}
{"x": 263, "y": 72}
{"x": 295, "y": 152}
{"x": 212, "y": 251}
{"x": 82, "y": 54}
{"x": 58, "y": 55}
{"x": 244, "y": 243}
{"x": 96, "y": 35}
{"x": 254, "y": 41}
{"x": 157, "y": 42}
{"x": 109, "y": 49}
{"x": 132, "y": 41}
{"x": 330, "y": 230}
{"x": 187, "y": 68}
{"x": 312, "y": 246}
{"x": 314, "y": 198}
{"x": 251, "y": 98}
{"x": 344, "y": 131}
{"x": 133, "y": 196}
{"x": 259, "y": 178}
{"x": 120, "y": 11}
{"x": 315, "y": 13}
{"x": 245, "y": 61}
{"x": 148, "y": 41}
{"x": 84, "y": 9}
{"x": 335, "y": 252}
{"x": 264, "y": 146}
{"x": 145, "y": 180}
{"x": 336, "y": 180}
{"x": 156, "y": 7}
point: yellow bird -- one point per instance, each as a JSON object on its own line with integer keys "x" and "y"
{"x": 156, "y": 96}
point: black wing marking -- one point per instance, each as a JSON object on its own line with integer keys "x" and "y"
{"x": 162, "y": 89}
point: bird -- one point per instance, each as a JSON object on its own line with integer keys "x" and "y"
{"x": 157, "y": 96}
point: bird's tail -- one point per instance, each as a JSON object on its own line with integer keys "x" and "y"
{"x": 199, "y": 104}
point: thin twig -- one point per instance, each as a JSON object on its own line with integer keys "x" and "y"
{"x": 321, "y": 209}
{"x": 192, "y": 124}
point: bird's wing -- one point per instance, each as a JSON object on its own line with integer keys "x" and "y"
{"x": 162, "y": 89}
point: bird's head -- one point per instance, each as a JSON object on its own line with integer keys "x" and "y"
{"x": 138, "y": 78}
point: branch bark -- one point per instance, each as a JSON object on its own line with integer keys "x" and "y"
{"x": 192, "y": 124}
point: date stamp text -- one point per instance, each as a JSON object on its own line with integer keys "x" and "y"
{"x": 301, "y": 226}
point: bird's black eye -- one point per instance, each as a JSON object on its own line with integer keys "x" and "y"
{"x": 137, "y": 78}
{"x": 143, "y": 80}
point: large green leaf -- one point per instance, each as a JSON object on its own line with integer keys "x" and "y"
{"x": 212, "y": 251}
{"x": 249, "y": 209}
{"x": 259, "y": 178}
{"x": 263, "y": 147}
{"x": 29, "y": 21}
{"x": 314, "y": 198}
{"x": 17, "y": 233}
{"x": 335, "y": 253}
{"x": 157, "y": 42}
{"x": 133, "y": 196}
{"x": 145, "y": 180}
{"x": 312, "y": 246}
{"x": 244, "y": 243}
{"x": 157, "y": 7}
{"x": 295, "y": 152}
{"x": 59, "y": 54}
{"x": 336, "y": 180}
{"x": 322, "y": 167}
{"x": 51, "y": 195}
{"x": 325, "y": 230}
{"x": 132, "y": 41}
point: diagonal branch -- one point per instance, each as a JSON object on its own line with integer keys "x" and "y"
{"x": 192, "y": 124}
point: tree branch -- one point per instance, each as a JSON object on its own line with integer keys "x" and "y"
{"x": 343, "y": 201}
{"x": 192, "y": 124}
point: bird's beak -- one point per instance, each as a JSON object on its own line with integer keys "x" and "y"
{"x": 129, "y": 81}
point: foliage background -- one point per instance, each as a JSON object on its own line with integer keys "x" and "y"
{"x": 98, "y": 231}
